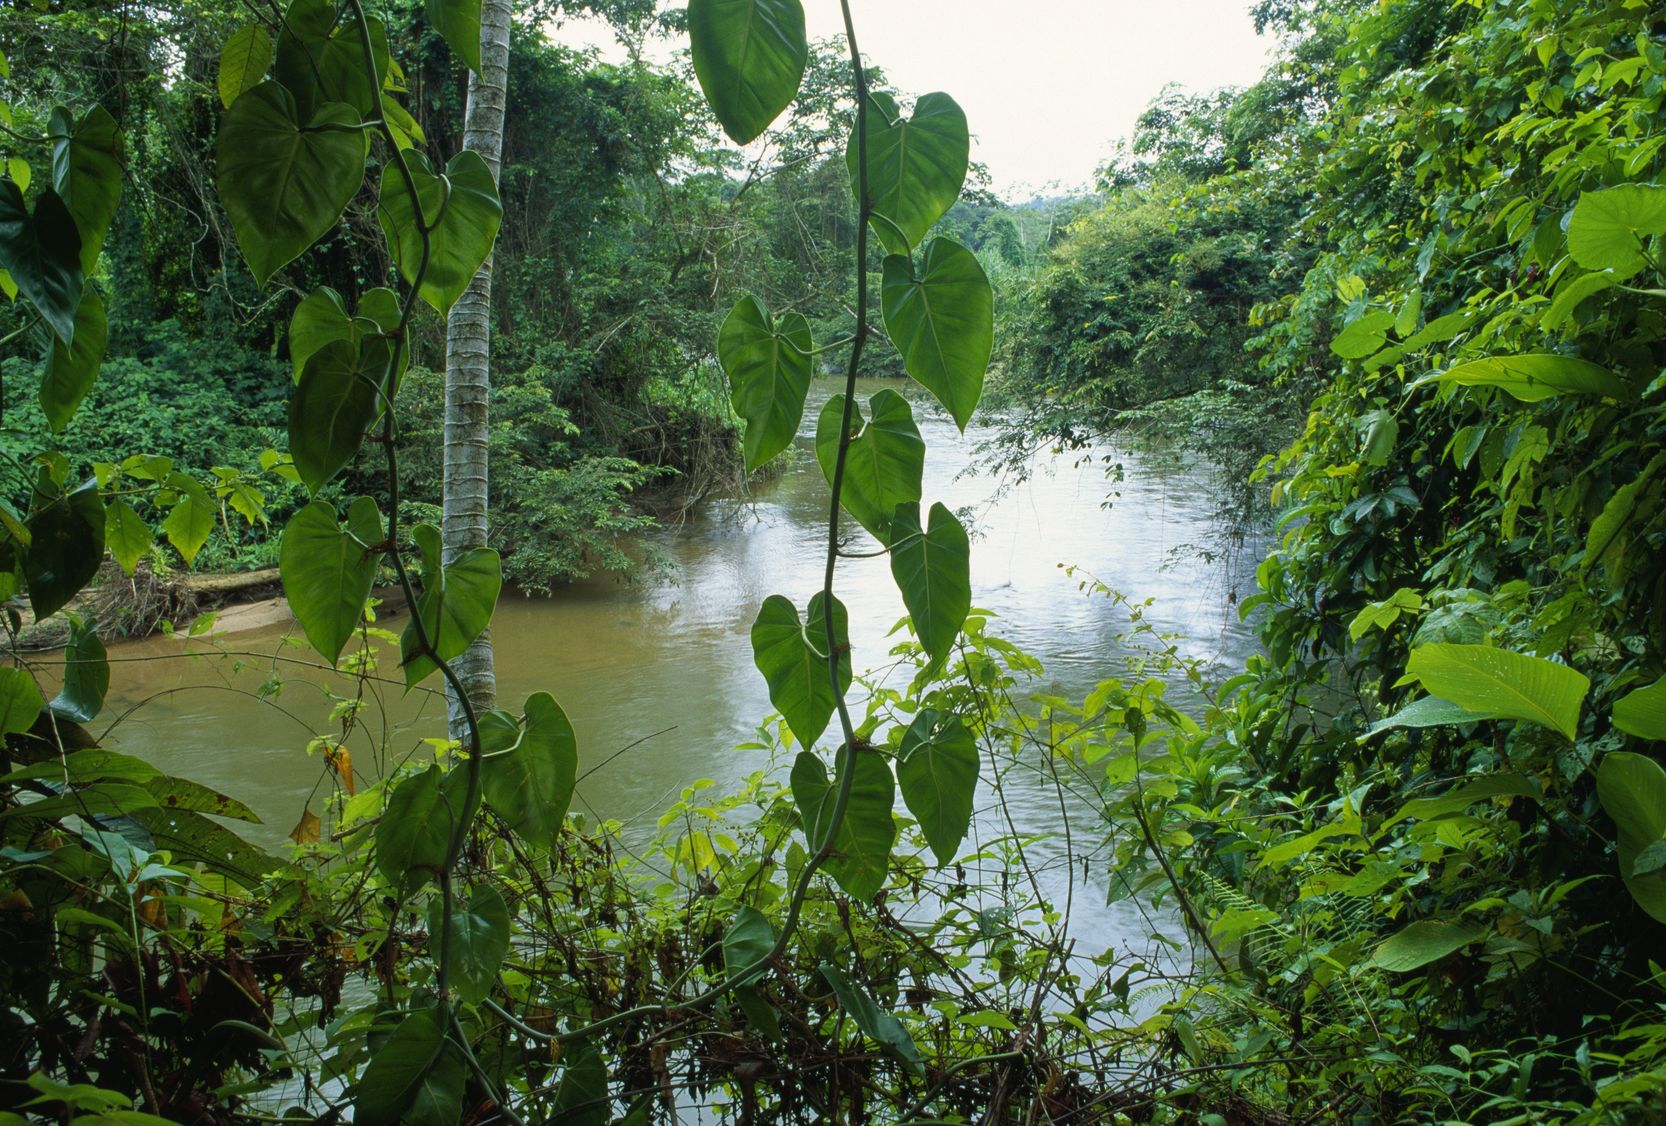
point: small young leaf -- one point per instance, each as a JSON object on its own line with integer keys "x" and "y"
{"x": 456, "y": 603}
{"x": 128, "y": 537}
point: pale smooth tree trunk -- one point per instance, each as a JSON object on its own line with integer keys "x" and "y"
{"x": 468, "y": 363}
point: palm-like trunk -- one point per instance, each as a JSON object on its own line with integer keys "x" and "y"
{"x": 468, "y": 364}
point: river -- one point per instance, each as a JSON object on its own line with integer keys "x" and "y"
{"x": 657, "y": 677}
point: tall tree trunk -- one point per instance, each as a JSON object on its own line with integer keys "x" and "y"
{"x": 468, "y": 362}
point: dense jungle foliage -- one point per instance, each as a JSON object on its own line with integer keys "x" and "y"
{"x": 1404, "y": 295}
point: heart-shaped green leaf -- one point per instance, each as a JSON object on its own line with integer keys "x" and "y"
{"x": 747, "y": 942}
{"x": 768, "y": 365}
{"x": 42, "y": 255}
{"x": 863, "y": 840}
{"x": 322, "y": 318}
{"x": 190, "y": 521}
{"x": 244, "y": 60}
{"x": 66, "y": 546}
{"x": 327, "y": 572}
{"x": 335, "y": 404}
{"x": 479, "y": 941}
{"x": 1632, "y": 789}
{"x": 884, "y": 464}
{"x": 937, "y": 770}
{"x": 128, "y": 537}
{"x": 463, "y": 209}
{"x": 942, "y": 320}
{"x": 531, "y": 786}
{"x": 319, "y": 58}
{"x": 458, "y": 22}
{"x": 71, "y": 368}
{"x": 794, "y": 660}
{"x": 931, "y": 567}
{"x": 456, "y": 603}
{"x": 283, "y": 185}
{"x": 86, "y": 675}
{"x": 413, "y": 837}
{"x": 416, "y": 1077}
{"x": 916, "y": 166}
{"x": 86, "y": 171}
{"x": 1608, "y": 228}
{"x": 749, "y": 56}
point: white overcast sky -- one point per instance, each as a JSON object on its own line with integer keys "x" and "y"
{"x": 1047, "y": 85}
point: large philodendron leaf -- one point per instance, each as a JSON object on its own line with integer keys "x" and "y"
{"x": 42, "y": 255}
{"x": 460, "y": 205}
{"x": 320, "y": 58}
{"x": 749, "y": 56}
{"x": 768, "y": 365}
{"x": 458, "y": 22}
{"x": 339, "y": 396}
{"x": 86, "y": 172}
{"x": 66, "y": 546}
{"x": 1642, "y": 712}
{"x": 1534, "y": 378}
{"x": 530, "y": 785}
{"x": 862, "y": 845}
{"x": 285, "y": 185}
{"x": 794, "y": 660}
{"x": 942, "y": 320}
{"x": 932, "y": 569}
{"x": 916, "y": 166}
{"x": 1497, "y": 682}
{"x": 1609, "y": 228}
{"x": 1632, "y": 789}
{"x": 456, "y": 604}
{"x": 479, "y": 941}
{"x": 413, "y": 838}
{"x": 416, "y": 1077}
{"x": 244, "y": 60}
{"x": 71, "y": 368}
{"x": 327, "y": 572}
{"x": 322, "y": 318}
{"x": 884, "y": 464}
{"x": 937, "y": 769}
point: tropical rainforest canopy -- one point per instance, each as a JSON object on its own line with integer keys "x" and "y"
{"x": 420, "y": 309}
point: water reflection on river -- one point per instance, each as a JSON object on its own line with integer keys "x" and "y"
{"x": 673, "y": 661}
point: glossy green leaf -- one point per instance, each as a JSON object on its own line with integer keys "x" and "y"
{"x": 20, "y": 701}
{"x": 327, "y": 573}
{"x": 72, "y": 368}
{"x": 319, "y": 320}
{"x": 190, "y": 521}
{"x": 244, "y": 60}
{"x": 86, "y": 675}
{"x": 479, "y": 941}
{"x": 794, "y": 660}
{"x": 455, "y": 606}
{"x": 1536, "y": 377}
{"x": 884, "y": 464}
{"x": 1429, "y": 711}
{"x": 283, "y": 185}
{"x": 338, "y": 399}
{"x": 862, "y": 844}
{"x": 768, "y": 366}
{"x": 1423, "y": 942}
{"x": 416, "y": 1078}
{"x": 66, "y": 546}
{"x": 1632, "y": 789}
{"x": 463, "y": 208}
{"x": 531, "y": 786}
{"x": 748, "y": 941}
{"x": 932, "y": 569}
{"x": 877, "y": 1024}
{"x": 1642, "y": 712}
{"x": 1608, "y": 228}
{"x": 916, "y": 166}
{"x": 41, "y": 253}
{"x": 458, "y": 22}
{"x": 749, "y": 56}
{"x": 414, "y": 834}
{"x": 937, "y": 771}
{"x": 86, "y": 173}
{"x": 1498, "y": 682}
{"x": 942, "y": 320}
{"x": 127, "y": 536}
